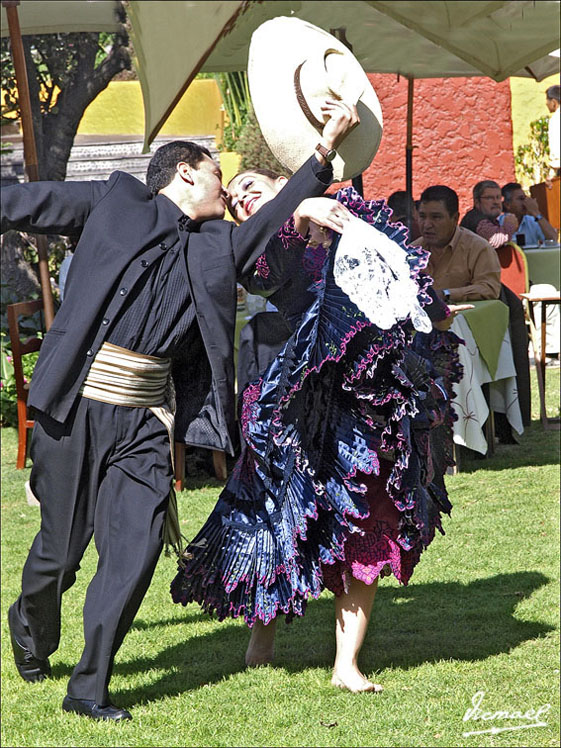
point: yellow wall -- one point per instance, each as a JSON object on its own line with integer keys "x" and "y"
{"x": 528, "y": 104}
{"x": 118, "y": 110}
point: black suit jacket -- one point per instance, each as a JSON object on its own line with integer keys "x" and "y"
{"x": 122, "y": 229}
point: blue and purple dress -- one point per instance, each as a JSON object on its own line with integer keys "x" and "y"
{"x": 348, "y": 434}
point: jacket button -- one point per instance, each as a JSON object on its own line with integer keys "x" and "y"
{"x": 123, "y": 291}
{"x": 144, "y": 263}
{"x": 89, "y": 352}
{"x": 105, "y": 321}
{"x": 163, "y": 245}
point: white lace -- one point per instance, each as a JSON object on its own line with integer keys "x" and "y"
{"x": 374, "y": 273}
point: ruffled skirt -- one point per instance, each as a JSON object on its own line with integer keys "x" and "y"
{"x": 348, "y": 436}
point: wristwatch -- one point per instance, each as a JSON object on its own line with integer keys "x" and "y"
{"x": 446, "y": 293}
{"x": 538, "y": 217}
{"x": 328, "y": 153}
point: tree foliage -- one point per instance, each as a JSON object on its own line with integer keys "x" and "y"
{"x": 66, "y": 72}
{"x": 253, "y": 149}
{"x": 532, "y": 159}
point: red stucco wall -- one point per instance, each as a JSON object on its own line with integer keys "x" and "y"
{"x": 462, "y": 129}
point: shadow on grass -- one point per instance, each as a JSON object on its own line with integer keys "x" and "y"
{"x": 537, "y": 447}
{"x": 410, "y": 626}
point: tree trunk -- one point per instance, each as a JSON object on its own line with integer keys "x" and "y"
{"x": 54, "y": 136}
{"x": 17, "y": 274}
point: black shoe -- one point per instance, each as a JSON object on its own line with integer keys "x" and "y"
{"x": 89, "y": 708}
{"x": 29, "y": 667}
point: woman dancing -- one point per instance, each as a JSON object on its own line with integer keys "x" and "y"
{"x": 347, "y": 438}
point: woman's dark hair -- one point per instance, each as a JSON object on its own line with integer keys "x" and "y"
{"x": 163, "y": 163}
{"x": 441, "y": 193}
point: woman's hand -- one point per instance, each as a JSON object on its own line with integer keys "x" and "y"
{"x": 324, "y": 211}
{"x": 455, "y": 309}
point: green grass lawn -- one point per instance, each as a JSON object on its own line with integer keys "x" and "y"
{"x": 481, "y": 614}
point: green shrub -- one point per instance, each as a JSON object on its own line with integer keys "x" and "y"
{"x": 8, "y": 397}
{"x": 253, "y": 148}
{"x": 532, "y": 159}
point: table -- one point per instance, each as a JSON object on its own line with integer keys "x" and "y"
{"x": 469, "y": 403}
{"x": 544, "y": 264}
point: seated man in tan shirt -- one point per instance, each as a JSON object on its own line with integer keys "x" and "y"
{"x": 463, "y": 265}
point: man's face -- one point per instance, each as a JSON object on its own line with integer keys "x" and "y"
{"x": 491, "y": 202}
{"x": 208, "y": 194}
{"x": 436, "y": 224}
{"x": 516, "y": 204}
{"x": 551, "y": 104}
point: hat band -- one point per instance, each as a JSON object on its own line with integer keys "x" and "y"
{"x": 312, "y": 119}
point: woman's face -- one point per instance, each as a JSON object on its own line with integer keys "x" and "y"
{"x": 249, "y": 191}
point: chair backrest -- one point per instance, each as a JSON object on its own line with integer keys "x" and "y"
{"x": 19, "y": 343}
{"x": 514, "y": 268}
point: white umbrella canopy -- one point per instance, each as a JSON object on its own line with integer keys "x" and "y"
{"x": 419, "y": 39}
{"x": 63, "y": 16}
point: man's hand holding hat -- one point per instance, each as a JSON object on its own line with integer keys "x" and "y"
{"x": 342, "y": 118}
{"x": 299, "y": 75}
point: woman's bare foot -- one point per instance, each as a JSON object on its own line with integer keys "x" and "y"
{"x": 353, "y": 680}
{"x": 261, "y": 647}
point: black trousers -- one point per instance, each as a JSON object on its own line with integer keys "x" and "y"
{"x": 107, "y": 474}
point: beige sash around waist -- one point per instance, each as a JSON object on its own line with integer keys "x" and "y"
{"x": 122, "y": 377}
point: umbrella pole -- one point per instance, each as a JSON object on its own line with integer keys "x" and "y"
{"x": 409, "y": 150}
{"x": 29, "y": 147}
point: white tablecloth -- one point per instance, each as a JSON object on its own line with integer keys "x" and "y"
{"x": 470, "y": 404}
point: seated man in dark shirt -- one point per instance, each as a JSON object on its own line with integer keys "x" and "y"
{"x": 482, "y": 219}
{"x": 405, "y": 212}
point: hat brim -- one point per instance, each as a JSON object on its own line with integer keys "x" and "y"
{"x": 277, "y": 48}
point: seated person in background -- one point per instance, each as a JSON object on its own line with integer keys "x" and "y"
{"x": 553, "y": 102}
{"x": 465, "y": 268}
{"x": 398, "y": 202}
{"x": 535, "y": 228}
{"x": 463, "y": 265}
{"x": 482, "y": 219}
{"x": 531, "y": 224}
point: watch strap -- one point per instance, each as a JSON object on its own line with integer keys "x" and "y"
{"x": 327, "y": 153}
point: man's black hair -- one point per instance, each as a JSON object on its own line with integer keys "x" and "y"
{"x": 398, "y": 202}
{"x": 163, "y": 163}
{"x": 554, "y": 92}
{"x": 441, "y": 193}
{"x": 508, "y": 189}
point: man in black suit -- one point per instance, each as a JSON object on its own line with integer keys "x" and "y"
{"x": 151, "y": 292}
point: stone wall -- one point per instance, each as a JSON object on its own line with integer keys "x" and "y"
{"x": 98, "y": 157}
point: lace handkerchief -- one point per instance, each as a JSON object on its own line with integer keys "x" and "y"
{"x": 374, "y": 273}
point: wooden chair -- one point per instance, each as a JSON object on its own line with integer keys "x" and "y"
{"x": 539, "y": 348}
{"x": 20, "y": 347}
{"x": 514, "y": 268}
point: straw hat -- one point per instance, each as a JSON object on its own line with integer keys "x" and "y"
{"x": 293, "y": 67}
